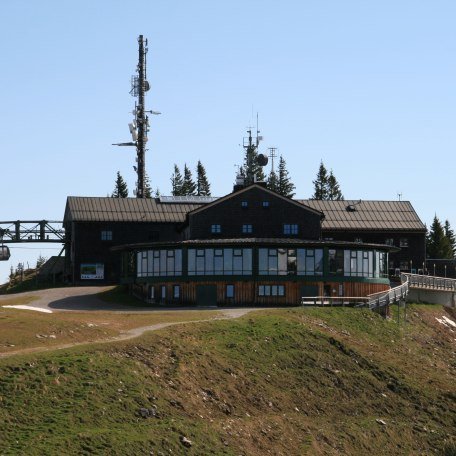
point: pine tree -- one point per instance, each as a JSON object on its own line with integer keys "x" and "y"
{"x": 157, "y": 193}
{"x": 40, "y": 261}
{"x": 121, "y": 189}
{"x": 147, "y": 187}
{"x": 176, "y": 182}
{"x": 272, "y": 181}
{"x": 334, "y": 192}
{"x": 252, "y": 170}
{"x": 284, "y": 185}
{"x": 189, "y": 186}
{"x": 203, "y": 188}
{"x": 321, "y": 184}
{"x": 449, "y": 234}
{"x": 437, "y": 244}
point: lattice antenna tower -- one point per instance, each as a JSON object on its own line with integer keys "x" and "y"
{"x": 272, "y": 154}
{"x": 139, "y": 127}
{"x": 251, "y": 144}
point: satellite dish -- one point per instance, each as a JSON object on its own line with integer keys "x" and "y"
{"x": 262, "y": 159}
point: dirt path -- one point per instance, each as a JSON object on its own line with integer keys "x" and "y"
{"x": 132, "y": 333}
{"x": 85, "y": 299}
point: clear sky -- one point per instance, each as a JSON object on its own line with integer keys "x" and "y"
{"x": 369, "y": 87}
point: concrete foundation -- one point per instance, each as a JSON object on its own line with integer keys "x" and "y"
{"x": 445, "y": 298}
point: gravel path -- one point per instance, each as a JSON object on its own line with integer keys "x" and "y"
{"x": 79, "y": 299}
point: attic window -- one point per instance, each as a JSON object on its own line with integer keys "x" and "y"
{"x": 244, "y": 204}
{"x": 290, "y": 228}
{"x": 106, "y": 235}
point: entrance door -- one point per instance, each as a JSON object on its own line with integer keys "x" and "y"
{"x": 206, "y": 295}
{"x": 309, "y": 291}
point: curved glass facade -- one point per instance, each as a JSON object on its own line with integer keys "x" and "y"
{"x": 224, "y": 261}
{"x": 273, "y": 261}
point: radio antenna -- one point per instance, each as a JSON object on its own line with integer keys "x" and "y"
{"x": 140, "y": 125}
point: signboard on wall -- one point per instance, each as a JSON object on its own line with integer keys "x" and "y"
{"x": 92, "y": 271}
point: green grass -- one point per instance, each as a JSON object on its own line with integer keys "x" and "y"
{"x": 291, "y": 381}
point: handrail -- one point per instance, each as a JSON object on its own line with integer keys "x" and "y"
{"x": 429, "y": 282}
{"x": 391, "y": 296}
{"x": 331, "y": 300}
{"x": 385, "y": 298}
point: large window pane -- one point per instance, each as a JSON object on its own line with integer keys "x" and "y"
{"x": 247, "y": 261}
{"x": 336, "y": 261}
{"x": 318, "y": 261}
{"x": 218, "y": 265}
{"x": 282, "y": 261}
{"x": 263, "y": 261}
{"x": 291, "y": 262}
{"x": 228, "y": 261}
{"x": 209, "y": 262}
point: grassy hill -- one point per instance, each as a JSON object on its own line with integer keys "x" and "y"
{"x": 279, "y": 382}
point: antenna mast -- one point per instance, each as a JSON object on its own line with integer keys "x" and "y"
{"x": 139, "y": 88}
{"x": 251, "y": 148}
{"x": 140, "y": 125}
{"x": 272, "y": 155}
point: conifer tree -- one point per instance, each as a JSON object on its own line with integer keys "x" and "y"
{"x": 284, "y": 185}
{"x": 147, "y": 187}
{"x": 176, "y": 182}
{"x": 334, "y": 192}
{"x": 321, "y": 184}
{"x": 252, "y": 170}
{"x": 449, "y": 234}
{"x": 437, "y": 244}
{"x": 272, "y": 181}
{"x": 121, "y": 189}
{"x": 189, "y": 186}
{"x": 203, "y": 187}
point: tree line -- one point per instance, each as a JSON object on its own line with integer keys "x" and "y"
{"x": 440, "y": 240}
{"x": 326, "y": 186}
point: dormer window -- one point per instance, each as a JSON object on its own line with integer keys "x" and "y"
{"x": 216, "y": 228}
{"x": 291, "y": 228}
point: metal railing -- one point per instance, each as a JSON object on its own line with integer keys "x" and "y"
{"x": 429, "y": 282}
{"x": 392, "y": 296}
{"x": 385, "y": 298}
{"x": 333, "y": 301}
{"x": 372, "y": 301}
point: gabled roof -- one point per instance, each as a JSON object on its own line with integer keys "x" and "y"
{"x": 105, "y": 209}
{"x": 367, "y": 215}
{"x": 263, "y": 189}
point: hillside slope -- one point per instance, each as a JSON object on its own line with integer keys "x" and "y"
{"x": 280, "y": 382}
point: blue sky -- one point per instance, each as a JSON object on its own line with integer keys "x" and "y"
{"x": 366, "y": 86}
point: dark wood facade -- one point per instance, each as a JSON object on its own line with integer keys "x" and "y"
{"x": 90, "y": 243}
{"x": 95, "y": 226}
{"x": 246, "y": 291}
{"x": 265, "y": 212}
{"x": 411, "y": 252}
